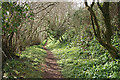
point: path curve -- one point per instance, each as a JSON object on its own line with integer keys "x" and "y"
{"x": 50, "y": 68}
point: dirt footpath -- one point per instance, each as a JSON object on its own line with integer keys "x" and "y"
{"x": 51, "y": 68}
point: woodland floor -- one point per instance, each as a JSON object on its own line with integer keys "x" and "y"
{"x": 50, "y": 68}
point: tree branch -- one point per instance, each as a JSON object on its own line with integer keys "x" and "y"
{"x": 92, "y": 3}
{"x": 99, "y": 6}
{"x": 93, "y": 26}
{"x": 45, "y": 8}
{"x": 94, "y": 18}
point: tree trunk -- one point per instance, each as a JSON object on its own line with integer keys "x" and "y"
{"x": 111, "y": 49}
{"x": 118, "y": 6}
{"x": 108, "y": 33}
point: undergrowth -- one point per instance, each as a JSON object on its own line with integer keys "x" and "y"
{"x": 85, "y": 61}
{"x": 27, "y": 66}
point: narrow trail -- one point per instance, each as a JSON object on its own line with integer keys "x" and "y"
{"x": 50, "y": 68}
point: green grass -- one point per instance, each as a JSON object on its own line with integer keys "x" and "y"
{"x": 92, "y": 62}
{"x": 28, "y": 66}
{"x": 76, "y": 61}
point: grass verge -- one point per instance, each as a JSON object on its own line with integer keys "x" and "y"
{"x": 27, "y": 66}
{"x": 93, "y": 62}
